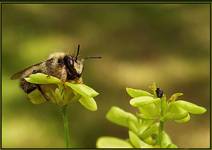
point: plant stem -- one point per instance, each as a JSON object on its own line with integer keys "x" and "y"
{"x": 160, "y": 133}
{"x": 66, "y": 126}
{"x": 161, "y": 125}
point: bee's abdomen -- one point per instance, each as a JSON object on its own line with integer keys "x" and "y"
{"x": 26, "y": 86}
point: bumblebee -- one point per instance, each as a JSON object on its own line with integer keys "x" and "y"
{"x": 64, "y": 66}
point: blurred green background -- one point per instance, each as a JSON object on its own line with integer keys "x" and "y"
{"x": 165, "y": 43}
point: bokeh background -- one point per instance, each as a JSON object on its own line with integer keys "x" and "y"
{"x": 140, "y": 44}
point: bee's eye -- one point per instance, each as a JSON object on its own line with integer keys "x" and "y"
{"x": 71, "y": 61}
{"x": 68, "y": 61}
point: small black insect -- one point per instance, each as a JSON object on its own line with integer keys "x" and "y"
{"x": 159, "y": 92}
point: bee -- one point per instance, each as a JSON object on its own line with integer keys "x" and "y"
{"x": 64, "y": 66}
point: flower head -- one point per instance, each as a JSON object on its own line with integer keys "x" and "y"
{"x": 61, "y": 93}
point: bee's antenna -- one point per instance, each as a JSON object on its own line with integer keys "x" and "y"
{"x": 92, "y": 57}
{"x": 78, "y": 48}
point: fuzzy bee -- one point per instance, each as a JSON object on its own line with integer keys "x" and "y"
{"x": 61, "y": 65}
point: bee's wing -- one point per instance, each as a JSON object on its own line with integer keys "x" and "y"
{"x": 19, "y": 74}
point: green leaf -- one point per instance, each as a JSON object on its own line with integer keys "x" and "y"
{"x": 40, "y": 78}
{"x": 150, "y": 111}
{"x": 82, "y": 89}
{"x": 186, "y": 119}
{"x": 137, "y": 142}
{"x": 89, "y": 103}
{"x": 133, "y": 126}
{"x": 112, "y": 142}
{"x": 36, "y": 97}
{"x": 149, "y": 140}
{"x": 175, "y": 96}
{"x": 137, "y": 93}
{"x": 190, "y": 107}
{"x": 153, "y": 87}
{"x": 172, "y": 146}
{"x": 165, "y": 140}
{"x": 91, "y": 92}
{"x": 174, "y": 112}
{"x": 120, "y": 117}
{"x": 144, "y": 100}
{"x": 144, "y": 124}
{"x": 149, "y": 131}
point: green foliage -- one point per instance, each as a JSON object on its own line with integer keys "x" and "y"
{"x": 146, "y": 128}
{"x": 40, "y": 78}
{"x": 137, "y": 92}
{"x": 108, "y": 142}
{"x": 175, "y": 112}
{"x": 190, "y": 107}
{"x": 120, "y": 117}
{"x": 137, "y": 142}
{"x": 143, "y": 100}
{"x": 89, "y": 103}
{"x": 62, "y": 93}
{"x": 82, "y": 89}
{"x": 166, "y": 141}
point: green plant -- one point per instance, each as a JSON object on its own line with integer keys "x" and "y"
{"x": 62, "y": 94}
{"x": 146, "y": 128}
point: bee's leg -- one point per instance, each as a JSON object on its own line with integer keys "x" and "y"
{"x": 44, "y": 95}
{"x": 38, "y": 86}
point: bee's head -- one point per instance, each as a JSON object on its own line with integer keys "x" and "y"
{"x": 74, "y": 64}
